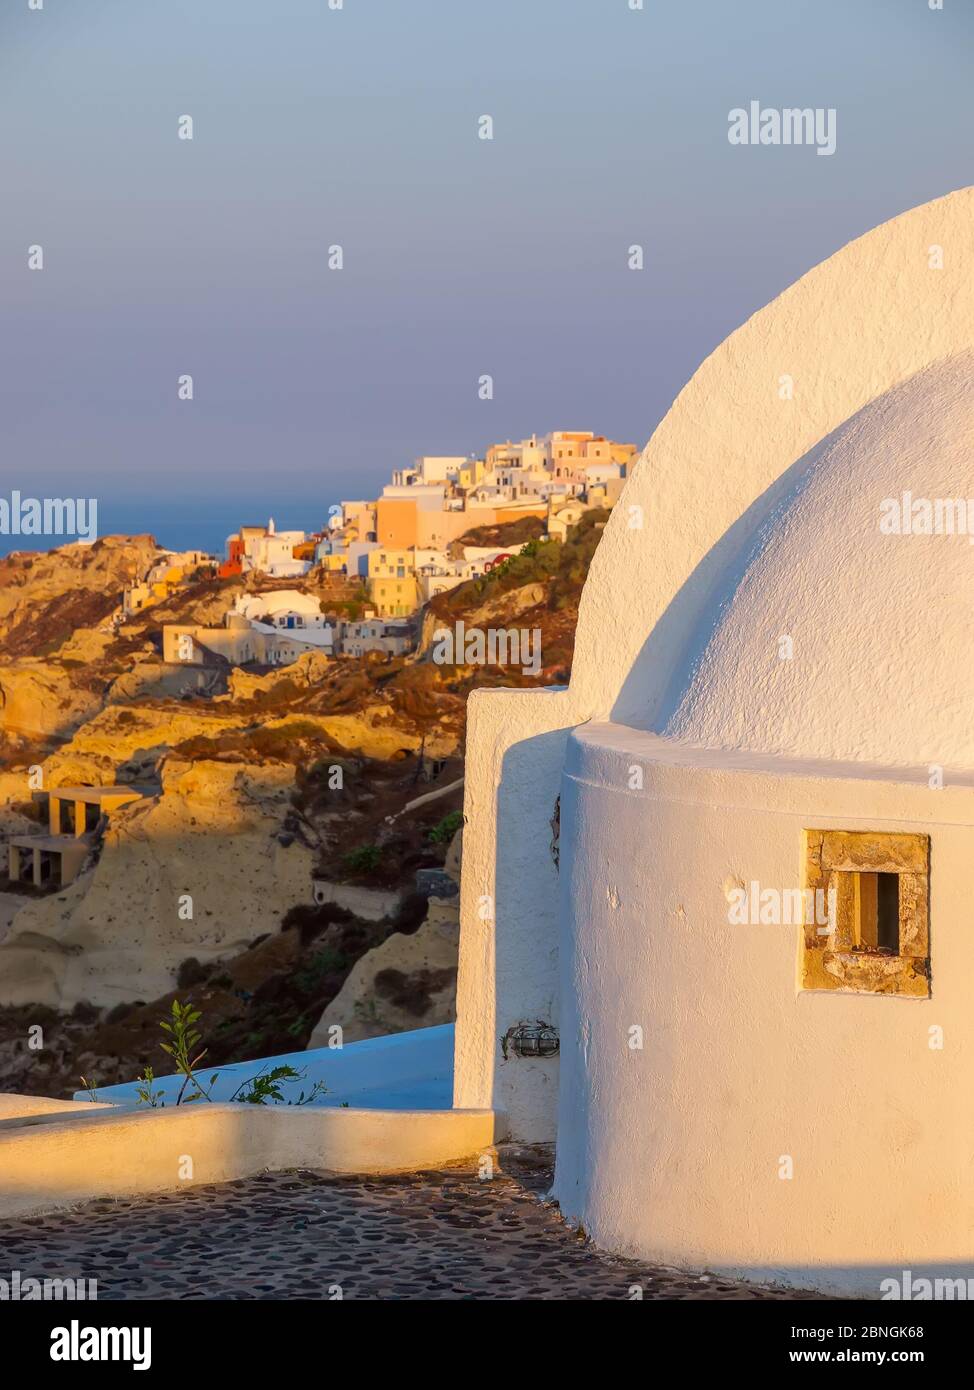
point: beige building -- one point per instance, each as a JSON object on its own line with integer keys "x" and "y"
{"x": 375, "y": 634}
{"x": 562, "y": 518}
{"x": 239, "y": 643}
{"x": 359, "y": 518}
{"x": 470, "y": 473}
{"x": 55, "y": 859}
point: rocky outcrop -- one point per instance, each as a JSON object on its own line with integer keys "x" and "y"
{"x": 15, "y": 796}
{"x": 45, "y": 698}
{"x": 45, "y": 596}
{"x": 159, "y": 680}
{"x": 409, "y": 981}
{"x": 502, "y": 610}
{"x": 10, "y": 905}
{"x": 129, "y": 744}
{"x": 310, "y": 669}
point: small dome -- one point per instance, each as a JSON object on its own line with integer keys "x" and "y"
{"x": 843, "y": 630}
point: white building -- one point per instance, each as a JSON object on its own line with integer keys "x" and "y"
{"x": 771, "y": 697}
{"x": 291, "y": 613}
{"x": 563, "y": 517}
{"x": 273, "y": 553}
{"x": 522, "y": 482}
{"x": 596, "y": 473}
{"x": 488, "y": 493}
{"x": 429, "y": 469}
{"x": 392, "y": 636}
{"x": 526, "y": 455}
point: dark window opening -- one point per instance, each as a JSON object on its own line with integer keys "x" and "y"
{"x": 878, "y": 912}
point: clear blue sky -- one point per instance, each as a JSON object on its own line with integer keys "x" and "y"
{"x": 359, "y": 126}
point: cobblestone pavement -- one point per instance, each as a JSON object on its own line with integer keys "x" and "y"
{"x": 442, "y": 1235}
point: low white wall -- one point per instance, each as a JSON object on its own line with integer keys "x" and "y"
{"x": 55, "y": 1161}
{"x": 387, "y": 1109}
{"x": 399, "y": 1069}
{"x": 13, "y": 1107}
{"x": 672, "y": 1152}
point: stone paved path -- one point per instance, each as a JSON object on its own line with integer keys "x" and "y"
{"x": 443, "y": 1235}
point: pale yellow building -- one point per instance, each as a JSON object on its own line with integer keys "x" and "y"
{"x": 393, "y": 587}
{"x": 470, "y": 473}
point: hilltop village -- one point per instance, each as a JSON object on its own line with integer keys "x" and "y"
{"x": 264, "y": 750}
{"x": 378, "y": 563}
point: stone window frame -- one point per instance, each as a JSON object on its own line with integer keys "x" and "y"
{"x": 833, "y": 961}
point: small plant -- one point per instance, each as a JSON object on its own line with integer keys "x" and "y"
{"x": 184, "y": 1037}
{"x": 266, "y": 1086}
{"x": 181, "y": 1027}
{"x": 144, "y": 1091}
{"x": 443, "y": 831}
{"x": 89, "y": 1086}
{"x": 363, "y": 859}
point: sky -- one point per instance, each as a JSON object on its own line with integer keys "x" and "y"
{"x": 357, "y": 127}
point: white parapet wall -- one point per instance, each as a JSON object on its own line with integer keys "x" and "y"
{"x": 387, "y": 1109}
{"x": 508, "y": 968}
{"x": 412, "y": 1070}
{"x": 48, "y": 1162}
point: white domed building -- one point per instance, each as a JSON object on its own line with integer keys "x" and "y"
{"x": 754, "y": 934}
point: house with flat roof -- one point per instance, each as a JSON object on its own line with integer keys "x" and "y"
{"x": 55, "y": 859}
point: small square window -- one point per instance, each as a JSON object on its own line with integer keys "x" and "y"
{"x": 873, "y": 936}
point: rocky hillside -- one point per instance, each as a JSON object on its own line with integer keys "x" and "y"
{"x": 538, "y": 589}
{"x": 45, "y": 596}
{"x": 346, "y": 774}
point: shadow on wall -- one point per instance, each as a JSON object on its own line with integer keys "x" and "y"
{"x": 714, "y": 581}
{"x": 526, "y": 929}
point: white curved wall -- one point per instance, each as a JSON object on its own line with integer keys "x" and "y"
{"x": 672, "y": 1152}
{"x": 854, "y": 328}
{"x": 881, "y": 665}
{"x": 866, "y": 320}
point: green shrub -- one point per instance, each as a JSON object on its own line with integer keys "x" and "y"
{"x": 183, "y": 1036}
{"x": 443, "y": 831}
{"x": 363, "y": 859}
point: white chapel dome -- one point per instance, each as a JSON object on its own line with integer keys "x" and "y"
{"x": 829, "y": 638}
